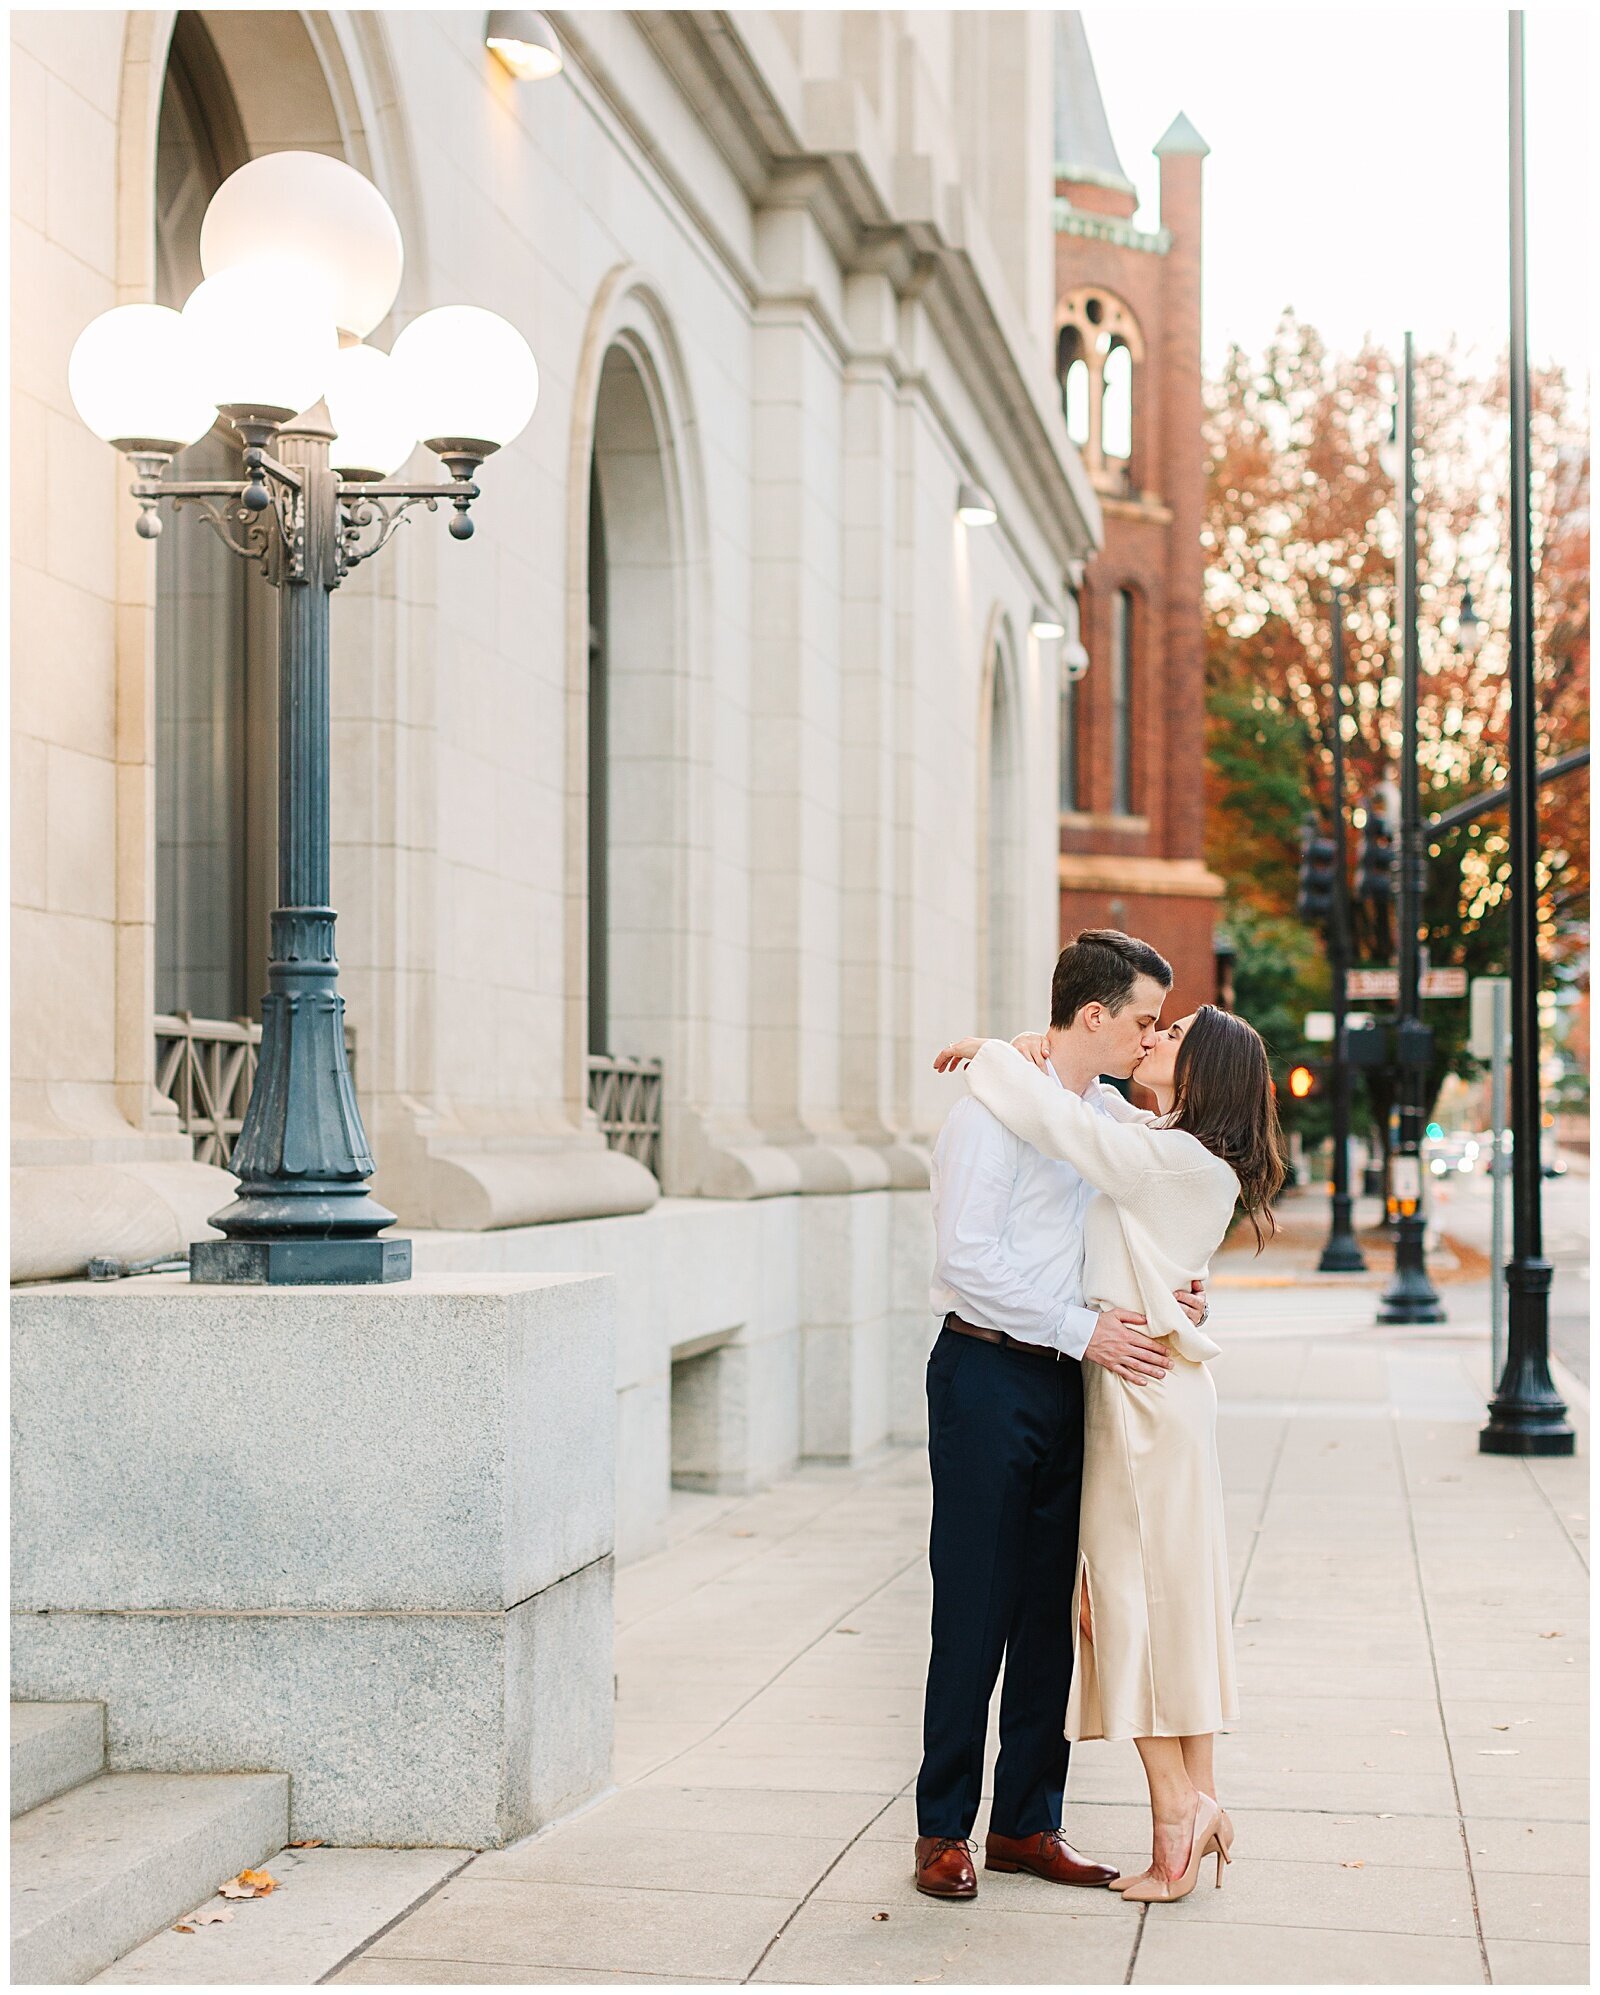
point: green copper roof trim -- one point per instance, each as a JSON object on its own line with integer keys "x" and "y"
{"x": 1071, "y": 221}
{"x": 1180, "y": 136}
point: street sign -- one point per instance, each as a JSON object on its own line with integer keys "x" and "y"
{"x": 1484, "y": 1035}
{"x": 1381, "y": 984}
{"x": 1319, "y": 1028}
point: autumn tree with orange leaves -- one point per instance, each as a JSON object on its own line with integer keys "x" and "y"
{"x": 1298, "y": 495}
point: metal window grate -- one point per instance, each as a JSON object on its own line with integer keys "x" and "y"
{"x": 208, "y": 1066}
{"x": 625, "y": 1096}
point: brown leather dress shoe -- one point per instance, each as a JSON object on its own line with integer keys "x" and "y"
{"x": 1049, "y": 1856}
{"x": 944, "y": 1867}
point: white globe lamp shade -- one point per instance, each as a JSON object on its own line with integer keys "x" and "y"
{"x": 1074, "y": 661}
{"x": 133, "y": 379}
{"x": 469, "y": 376}
{"x": 317, "y": 211}
{"x": 264, "y": 335}
{"x": 370, "y": 413}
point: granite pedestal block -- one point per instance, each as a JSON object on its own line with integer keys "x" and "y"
{"x": 360, "y": 1536}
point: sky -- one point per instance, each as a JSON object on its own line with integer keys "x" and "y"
{"x": 1358, "y": 167}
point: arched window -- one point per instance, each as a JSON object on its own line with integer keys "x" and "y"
{"x": 216, "y": 736}
{"x": 1099, "y": 347}
{"x": 1116, "y": 404}
{"x": 1073, "y": 370}
{"x": 1122, "y": 636}
{"x": 1002, "y": 869}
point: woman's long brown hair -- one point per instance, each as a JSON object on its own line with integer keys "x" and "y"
{"x": 1222, "y": 1082}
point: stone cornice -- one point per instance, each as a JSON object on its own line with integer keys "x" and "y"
{"x": 1071, "y": 221}
{"x": 708, "y": 58}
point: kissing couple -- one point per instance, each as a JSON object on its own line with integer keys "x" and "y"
{"x": 1072, "y": 1423}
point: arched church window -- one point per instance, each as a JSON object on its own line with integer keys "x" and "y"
{"x": 1116, "y": 410}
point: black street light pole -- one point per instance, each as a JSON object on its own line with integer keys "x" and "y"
{"x": 1410, "y": 1296}
{"x": 1342, "y": 1254}
{"x": 1527, "y": 1415}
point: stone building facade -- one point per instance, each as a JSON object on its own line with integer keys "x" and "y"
{"x": 724, "y": 743}
{"x": 1127, "y": 324}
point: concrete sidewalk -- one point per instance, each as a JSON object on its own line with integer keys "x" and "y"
{"x": 1407, "y": 1777}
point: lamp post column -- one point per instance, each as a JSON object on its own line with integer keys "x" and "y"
{"x": 1410, "y": 1296}
{"x": 1527, "y": 1415}
{"x": 1342, "y": 1254}
{"x": 303, "y": 1213}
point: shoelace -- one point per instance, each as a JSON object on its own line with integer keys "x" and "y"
{"x": 949, "y": 1843}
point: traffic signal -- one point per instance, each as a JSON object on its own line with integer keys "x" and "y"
{"x": 1318, "y": 857}
{"x": 1375, "y": 863}
{"x": 1302, "y": 1082}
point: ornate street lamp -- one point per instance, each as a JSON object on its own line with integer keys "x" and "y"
{"x": 302, "y": 256}
{"x": 1528, "y": 1415}
{"x": 1410, "y": 1297}
{"x": 1342, "y": 1252}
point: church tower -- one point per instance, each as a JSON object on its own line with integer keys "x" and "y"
{"x": 1127, "y": 343}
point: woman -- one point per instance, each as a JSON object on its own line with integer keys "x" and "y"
{"x": 1153, "y": 1651}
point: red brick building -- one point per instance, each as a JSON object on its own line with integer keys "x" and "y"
{"x": 1128, "y": 359}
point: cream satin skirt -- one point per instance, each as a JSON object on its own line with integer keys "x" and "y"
{"x": 1152, "y": 1562}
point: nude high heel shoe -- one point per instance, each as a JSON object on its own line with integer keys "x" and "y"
{"x": 1203, "y": 1842}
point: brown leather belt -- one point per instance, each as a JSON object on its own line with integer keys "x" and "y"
{"x": 954, "y": 1322}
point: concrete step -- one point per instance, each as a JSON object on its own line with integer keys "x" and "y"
{"x": 54, "y": 1747}
{"x": 330, "y": 1904}
{"x": 99, "y": 1870}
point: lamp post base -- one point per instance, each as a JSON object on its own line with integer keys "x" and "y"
{"x": 1515, "y": 1431}
{"x": 283, "y": 1263}
{"x": 1342, "y": 1256}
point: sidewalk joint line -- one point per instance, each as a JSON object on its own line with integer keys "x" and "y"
{"x": 1438, "y": 1693}
{"x": 811, "y": 1892}
{"x": 1560, "y": 1521}
{"x": 469, "y": 1857}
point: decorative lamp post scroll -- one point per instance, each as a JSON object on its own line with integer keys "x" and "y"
{"x": 302, "y": 257}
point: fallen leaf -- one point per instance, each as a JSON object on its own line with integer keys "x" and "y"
{"x": 249, "y": 1884}
{"x": 1386, "y": 1818}
{"x": 1396, "y": 1733}
{"x": 1499, "y": 1728}
{"x": 1355, "y": 1863}
{"x": 1499, "y": 1752}
{"x": 183, "y": 1929}
{"x": 880, "y": 1915}
{"x": 1551, "y": 1635}
{"x": 744, "y": 1534}
{"x": 847, "y": 1631}
{"x": 310, "y": 1843}
{"x": 213, "y": 1918}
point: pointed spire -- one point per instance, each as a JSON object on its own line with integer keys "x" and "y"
{"x": 1085, "y": 149}
{"x": 1181, "y": 136}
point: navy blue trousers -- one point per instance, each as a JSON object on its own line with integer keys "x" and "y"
{"x": 1005, "y": 1442}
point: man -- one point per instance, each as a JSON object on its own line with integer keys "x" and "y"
{"x": 1005, "y": 1436}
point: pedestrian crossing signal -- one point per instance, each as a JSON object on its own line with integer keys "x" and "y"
{"x": 1302, "y": 1082}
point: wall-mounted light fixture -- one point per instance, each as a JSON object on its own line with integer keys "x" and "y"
{"x": 974, "y": 506}
{"x": 1074, "y": 660}
{"x": 1046, "y": 623}
{"x": 525, "y": 43}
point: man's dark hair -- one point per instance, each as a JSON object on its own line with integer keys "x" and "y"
{"x": 1100, "y": 966}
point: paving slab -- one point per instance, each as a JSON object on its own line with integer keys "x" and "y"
{"x": 1528, "y": 1963}
{"x": 1176, "y": 1950}
{"x": 519, "y": 1922}
{"x": 961, "y": 1945}
{"x": 1523, "y": 1906}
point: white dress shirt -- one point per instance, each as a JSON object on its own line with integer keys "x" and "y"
{"x": 1008, "y": 1230}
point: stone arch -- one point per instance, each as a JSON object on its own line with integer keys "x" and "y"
{"x": 634, "y": 464}
{"x": 1001, "y": 826}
